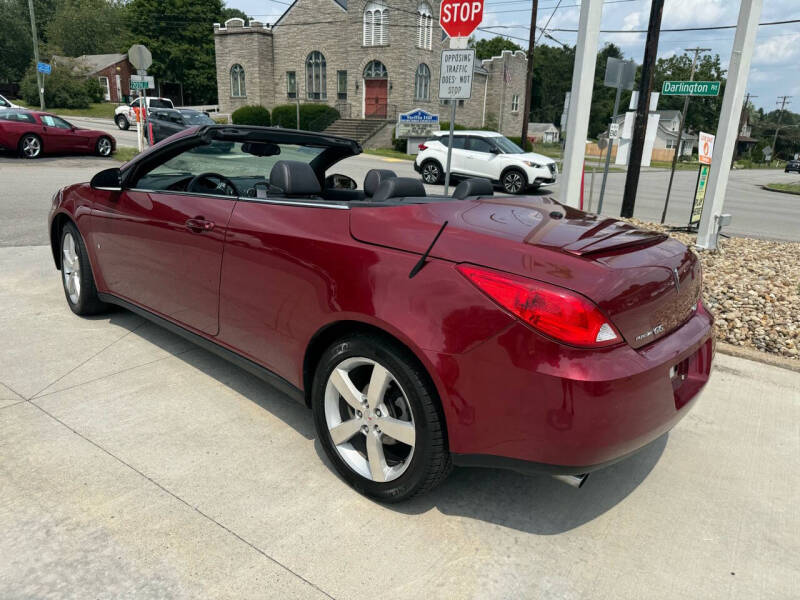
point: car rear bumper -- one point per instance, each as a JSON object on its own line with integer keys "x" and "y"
{"x": 523, "y": 402}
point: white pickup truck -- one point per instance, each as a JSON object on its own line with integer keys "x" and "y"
{"x": 125, "y": 115}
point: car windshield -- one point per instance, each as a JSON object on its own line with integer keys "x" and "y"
{"x": 507, "y": 146}
{"x": 197, "y": 118}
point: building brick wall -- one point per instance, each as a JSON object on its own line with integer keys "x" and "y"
{"x": 124, "y": 70}
{"x": 268, "y": 53}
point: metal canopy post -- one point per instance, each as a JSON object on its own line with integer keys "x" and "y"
{"x": 580, "y": 102}
{"x": 741, "y": 56}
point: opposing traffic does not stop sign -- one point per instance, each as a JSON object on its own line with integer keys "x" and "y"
{"x": 459, "y": 18}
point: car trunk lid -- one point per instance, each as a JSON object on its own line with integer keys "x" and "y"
{"x": 645, "y": 282}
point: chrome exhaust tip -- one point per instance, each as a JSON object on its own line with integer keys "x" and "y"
{"x": 575, "y": 481}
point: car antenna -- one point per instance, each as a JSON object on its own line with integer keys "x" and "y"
{"x": 421, "y": 262}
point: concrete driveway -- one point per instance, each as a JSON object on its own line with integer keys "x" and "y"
{"x": 133, "y": 464}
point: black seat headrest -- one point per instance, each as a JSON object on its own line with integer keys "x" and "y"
{"x": 475, "y": 186}
{"x": 294, "y": 178}
{"x": 374, "y": 178}
{"x": 399, "y": 187}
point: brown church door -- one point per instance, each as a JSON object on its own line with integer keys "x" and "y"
{"x": 375, "y": 95}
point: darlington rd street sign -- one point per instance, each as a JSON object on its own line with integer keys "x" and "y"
{"x": 142, "y": 82}
{"x": 690, "y": 88}
{"x": 459, "y": 18}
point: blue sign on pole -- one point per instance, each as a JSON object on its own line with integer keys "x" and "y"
{"x": 419, "y": 117}
{"x": 43, "y": 68}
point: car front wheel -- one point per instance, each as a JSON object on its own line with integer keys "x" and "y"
{"x": 431, "y": 172}
{"x": 377, "y": 417}
{"x": 76, "y": 274}
{"x": 122, "y": 122}
{"x": 513, "y": 181}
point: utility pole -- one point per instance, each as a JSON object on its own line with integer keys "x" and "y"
{"x": 640, "y": 124}
{"x": 741, "y": 123}
{"x": 782, "y": 101}
{"x": 526, "y": 113}
{"x": 35, "y": 36}
{"x": 697, "y": 52}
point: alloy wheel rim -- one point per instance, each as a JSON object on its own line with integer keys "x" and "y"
{"x": 31, "y": 146}
{"x": 104, "y": 146}
{"x": 513, "y": 183}
{"x": 369, "y": 419}
{"x": 71, "y": 268}
{"x": 431, "y": 173}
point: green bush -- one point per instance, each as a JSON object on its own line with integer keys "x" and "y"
{"x": 313, "y": 117}
{"x": 518, "y": 141}
{"x": 62, "y": 89}
{"x": 251, "y": 115}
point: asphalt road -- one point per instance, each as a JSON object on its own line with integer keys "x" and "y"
{"x": 134, "y": 465}
{"x": 26, "y": 188}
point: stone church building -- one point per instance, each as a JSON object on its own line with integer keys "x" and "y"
{"x": 371, "y": 59}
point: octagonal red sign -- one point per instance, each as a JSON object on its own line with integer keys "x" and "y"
{"x": 459, "y": 18}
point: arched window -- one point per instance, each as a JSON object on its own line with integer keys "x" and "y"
{"x": 375, "y": 70}
{"x": 424, "y": 26}
{"x": 422, "y": 83}
{"x": 237, "y": 81}
{"x": 316, "y": 79}
{"x": 376, "y": 24}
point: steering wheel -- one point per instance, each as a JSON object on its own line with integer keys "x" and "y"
{"x": 225, "y": 185}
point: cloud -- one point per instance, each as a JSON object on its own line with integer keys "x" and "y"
{"x": 779, "y": 49}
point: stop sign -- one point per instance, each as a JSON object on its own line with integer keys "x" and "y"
{"x": 459, "y": 18}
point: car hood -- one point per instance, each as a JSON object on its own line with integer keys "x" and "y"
{"x": 532, "y": 157}
{"x": 646, "y": 282}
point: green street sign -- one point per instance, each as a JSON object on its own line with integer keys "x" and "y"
{"x": 140, "y": 85}
{"x": 690, "y": 88}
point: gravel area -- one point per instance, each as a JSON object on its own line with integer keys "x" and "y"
{"x": 753, "y": 289}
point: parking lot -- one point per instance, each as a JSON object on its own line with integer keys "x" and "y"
{"x": 134, "y": 464}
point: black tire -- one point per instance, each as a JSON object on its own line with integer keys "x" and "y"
{"x": 430, "y": 461}
{"x": 122, "y": 122}
{"x": 514, "y": 181}
{"x": 87, "y": 301}
{"x": 103, "y": 147}
{"x": 30, "y": 146}
{"x": 432, "y": 172}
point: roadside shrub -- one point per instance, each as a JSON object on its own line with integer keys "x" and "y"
{"x": 518, "y": 141}
{"x": 313, "y": 117}
{"x": 254, "y": 114}
{"x": 62, "y": 89}
{"x": 95, "y": 91}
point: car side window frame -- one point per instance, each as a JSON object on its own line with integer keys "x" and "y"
{"x": 474, "y": 139}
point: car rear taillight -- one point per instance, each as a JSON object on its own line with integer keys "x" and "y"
{"x": 422, "y": 147}
{"x": 554, "y": 311}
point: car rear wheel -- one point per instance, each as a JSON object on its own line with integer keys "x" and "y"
{"x": 377, "y": 417}
{"x": 103, "y": 146}
{"x": 431, "y": 172}
{"x": 513, "y": 181}
{"x": 30, "y": 146}
{"x": 76, "y": 274}
{"x": 122, "y": 122}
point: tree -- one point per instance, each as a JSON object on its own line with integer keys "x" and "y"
{"x": 16, "y": 49}
{"x": 703, "y": 113}
{"x": 233, "y": 13}
{"x": 88, "y": 27}
{"x": 181, "y": 39}
{"x": 491, "y": 47}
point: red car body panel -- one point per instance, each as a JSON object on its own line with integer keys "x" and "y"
{"x": 269, "y": 277}
{"x": 54, "y": 139}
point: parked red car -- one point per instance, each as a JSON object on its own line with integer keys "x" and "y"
{"x": 32, "y": 133}
{"x": 423, "y": 331}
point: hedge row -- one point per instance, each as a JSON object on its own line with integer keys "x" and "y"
{"x": 313, "y": 117}
{"x": 251, "y": 115}
{"x": 62, "y": 89}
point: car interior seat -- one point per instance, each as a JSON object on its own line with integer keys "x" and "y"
{"x": 293, "y": 178}
{"x": 374, "y": 178}
{"x": 399, "y": 187}
{"x": 474, "y": 186}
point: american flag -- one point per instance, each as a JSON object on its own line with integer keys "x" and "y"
{"x": 506, "y": 74}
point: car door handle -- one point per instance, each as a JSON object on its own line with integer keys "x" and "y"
{"x": 199, "y": 225}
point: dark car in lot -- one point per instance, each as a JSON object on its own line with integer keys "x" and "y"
{"x": 792, "y": 165}
{"x": 32, "y": 133}
{"x": 166, "y": 122}
{"x": 422, "y": 331}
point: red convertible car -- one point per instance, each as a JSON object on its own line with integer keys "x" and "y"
{"x": 32, "y": 133}
{"x": 423, "y": 331}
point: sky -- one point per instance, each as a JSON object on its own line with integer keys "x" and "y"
{"x": 775, "y": 69}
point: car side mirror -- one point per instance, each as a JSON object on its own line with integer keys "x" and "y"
{"x": 108, "y": 179}
{"x": 340, "y": 182}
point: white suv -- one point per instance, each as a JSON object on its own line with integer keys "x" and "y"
{"x": 125, "y": 115}
{"x": 485, "y": 154}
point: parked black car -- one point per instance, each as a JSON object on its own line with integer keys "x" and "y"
{"x": 167, "y": 122}
{"x": 792, "y": 165}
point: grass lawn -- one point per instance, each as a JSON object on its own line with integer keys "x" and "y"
{"x": 790, "y": 188}
{"x": 679, "y": 166}
{"x": 102, "y": 109}
{"x": 125, "y": 153}
{"x": 389, "y": 153}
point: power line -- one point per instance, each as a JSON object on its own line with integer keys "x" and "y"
{"x": 712, "y": 28}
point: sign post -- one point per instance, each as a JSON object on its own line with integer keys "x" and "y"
{"x": 141, "y": 58}
{"x": 458, "y": 18}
